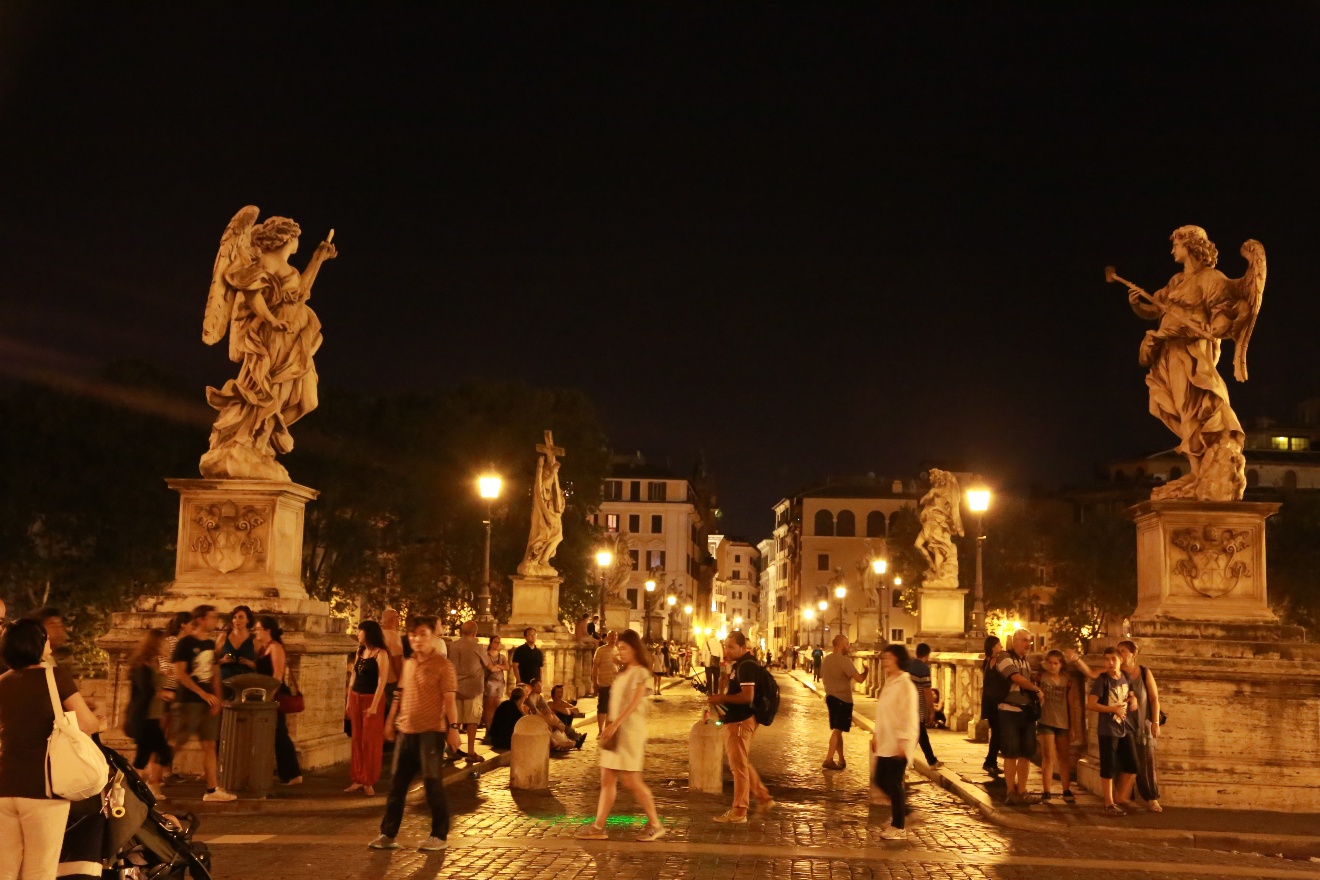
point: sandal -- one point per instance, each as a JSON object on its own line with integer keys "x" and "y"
{"x": 1069, "y": 797}
{"x": 1154, "y": 807}
{"x": 1113, "y": 810}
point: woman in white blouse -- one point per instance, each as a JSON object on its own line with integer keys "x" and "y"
{"x": 897, "y": 729}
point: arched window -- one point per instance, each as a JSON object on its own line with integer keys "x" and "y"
{"x": 1253, "y": 477}
{"x": 846, "y": 527}
{"x": 1290, "y": 479}
{"x": 824, "y": 522}
{"x": 1175, "y": 472}
{"x": 875, "y": 524}
{"x": 893, "y": 520}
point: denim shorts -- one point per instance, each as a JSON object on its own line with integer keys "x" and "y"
{"x": 1017, "y": 734}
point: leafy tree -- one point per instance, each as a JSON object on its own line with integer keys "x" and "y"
{"x": 1095, "y": 570}
{"x": 1293, "y": 538}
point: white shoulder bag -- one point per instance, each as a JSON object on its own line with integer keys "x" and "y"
{"x": 75, "y": 767}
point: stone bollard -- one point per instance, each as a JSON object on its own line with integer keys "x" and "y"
{"x": 529, "y": 757}
{"x": 706, "y": 757}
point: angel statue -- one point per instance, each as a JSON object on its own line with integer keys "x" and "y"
{"x": 1197, "y": 309}
{"x": 620, "y": 571}
{"x": 261, "y": 301}
{"x": 941, "y": 518}
{"x": 548, "y": 502}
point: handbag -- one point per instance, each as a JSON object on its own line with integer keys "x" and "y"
{"x": 1032, "y": 709}
{"x": 1145, "y": 675}
{"x": 290, "y": 698}
{"x": 75, "y": 767}
{"x": 609, "y": 743}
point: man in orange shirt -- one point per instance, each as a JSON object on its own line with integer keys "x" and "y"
{"x": 423, "y": 715}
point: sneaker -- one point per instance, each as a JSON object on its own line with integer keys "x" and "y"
{"x": 1013, "y": 799}
{"x": 432, "y": 844}
{"x": 992, "y": 769}
{"x": 1028, "y": 798}
{"x": 937, "y": 765}
{"x": 219, "y": 796}
{"x": 731, "y": 818}
{"x": 582, "y": 737}
{"x": 892, "y": 833}
{"x": 383, "y": 842}
{"x": 1113, "y": 810}
{"x": 652, "y": 832}
{"x": 591, "y": 832}
{"x": 1068, "y": 796}
{"x": 766, "y": 806}
{"x": 1046, "y": 798}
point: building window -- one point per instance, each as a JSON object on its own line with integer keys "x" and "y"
{"x": 657, "y": 523}
{"x": 635, "y": 490}
{"x": 636, "y": 557}
{"x": 846, "y": 527}
{"x": 822, "y": 562}
{"x": 1299, "y": 444}
{"x": 824, "y": 522}
{"x": 611, "y": 522}
{"x": 1253, "y": 477}
{"x": 632, "y": 598}
{"x": 875, "y": 524}
{"x": 1290, "y": 480}
{"x": 737, "y": 574}
{"x": 655, "y": 559}
{"x": 1280, "y": 443}
{"x": 898, "y": 599}
{"x": 613, "y": 490}
{"x": 634, "y": 522}
{"x": 656, "y": 491}
{"x": 896, "y": 636}
{"x": 737, "y": 557}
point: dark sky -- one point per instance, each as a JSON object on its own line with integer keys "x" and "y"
{"x": 801, "y": 240}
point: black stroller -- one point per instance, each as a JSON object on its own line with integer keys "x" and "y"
{"x": 121, "y": 835}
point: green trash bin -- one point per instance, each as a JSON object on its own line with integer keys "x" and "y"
{"x": 247, "y": 742}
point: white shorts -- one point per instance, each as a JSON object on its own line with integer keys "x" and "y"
{"x": 469, "y": 711}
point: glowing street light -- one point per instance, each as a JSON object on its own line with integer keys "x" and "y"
{"x": 488, "y": 487}
{"x": 879, "y": 566}
{"x": 978, "y": 502}
{"x": 604, "y": 559}
{"x": 646, "y": 607}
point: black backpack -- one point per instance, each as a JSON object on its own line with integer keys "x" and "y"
{"x": 765, "y": 698}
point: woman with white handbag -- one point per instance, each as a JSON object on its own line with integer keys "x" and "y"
{"x": 32, "y": 819}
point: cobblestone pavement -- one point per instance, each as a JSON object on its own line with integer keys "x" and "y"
{"x": 822, "y": 827}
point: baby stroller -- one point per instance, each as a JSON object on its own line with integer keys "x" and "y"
{"x": 121, "y": 835}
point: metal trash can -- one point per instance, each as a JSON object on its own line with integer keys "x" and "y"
{"x": 247, "y": 742}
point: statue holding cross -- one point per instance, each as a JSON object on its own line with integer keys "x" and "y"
{"x": 547, "y": 513}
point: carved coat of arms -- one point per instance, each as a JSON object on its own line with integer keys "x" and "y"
{"x": 227, "y": 539}
{"x": 1211, "y": 564}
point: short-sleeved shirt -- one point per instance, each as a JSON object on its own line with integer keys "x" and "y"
{"x": 837, "y": 672}
{"x": 816, "y": 656}
{"x": 199, "y": 654}
{"x": 743, "y": 673}
{"x": 605, "y": 665}
{"x": 394, "y": 647}
{"x": 470, "y": 663}
{"x": 26, "y": 720}
{"x": 424, "y": 683}
{"x": 919, "y": 672}
{"x": 529, "y": 661}
{"x": 1008, "y": 664}
{"x": 1111, "y": 691}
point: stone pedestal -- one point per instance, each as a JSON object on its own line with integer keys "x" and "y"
{"x": 535, "y": 601}
{"x": 941, "y": 612}
{"x": 706, "y": 757}
{"x": 868, "y": 628}
{"x": 529, "y": 757}
{"x": 240, "y": 543}
{"x": 1241, "y": 691}
{"x": 618, "y": 615}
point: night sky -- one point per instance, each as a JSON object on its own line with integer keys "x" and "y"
{"x": 803, "y": 241}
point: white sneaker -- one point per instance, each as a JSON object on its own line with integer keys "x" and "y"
{"x": 892, "y": 833}
{"x": 219, "y": 796}
{"x": 432, "y": 844}
{"x": 383, "y": 842}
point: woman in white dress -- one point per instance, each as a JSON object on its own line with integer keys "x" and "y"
{"x": 627, "y": 724}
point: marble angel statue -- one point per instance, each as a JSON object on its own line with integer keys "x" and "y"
{"x": 261, "y": 302}
{"x": 1198, "y": 309}
{"x": 940, "y": 515}
{"x": 548, "y": 503}
{"x": 620, "y": 571}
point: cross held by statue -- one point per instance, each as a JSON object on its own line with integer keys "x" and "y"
{"x": 549, "y": 448}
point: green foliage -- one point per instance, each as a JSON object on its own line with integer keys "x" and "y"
{"x": 1095, "y": 570}
{"x": 1293, "y": 539}
{"x": 904, "y": 560}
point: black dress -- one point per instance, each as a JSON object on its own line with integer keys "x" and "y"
{"x": 286, "y": 756}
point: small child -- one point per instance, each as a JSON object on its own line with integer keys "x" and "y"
{"x": 1054, "y": 729}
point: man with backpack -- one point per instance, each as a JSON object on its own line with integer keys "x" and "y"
{"x": 746, "y": 678}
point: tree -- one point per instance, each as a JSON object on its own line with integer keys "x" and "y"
{"x": 1293, "y": 539}
{"x": 1095, "y": 570}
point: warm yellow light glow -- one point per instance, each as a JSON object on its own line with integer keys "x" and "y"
{"x": 879, "y": 566}
{"x": 722, "y": 634}
{"x": 650, "y": 586}
{"x": 898, "y": 581}
{"x": 978, "y": 500}
{"x": 706, "y": 630}
{"x": 672, "y": 600}
{"x": 840, "y": 591}
{"x": 604, "y": 558}
{"x": 737, "y": 621}
{"x": 489, "y": 486}
{"x": 808, "y": 613}
{"x": 822, "y": 604}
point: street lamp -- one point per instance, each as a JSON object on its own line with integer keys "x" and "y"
{"x": 978, "y": 502}
{"x": 671, "y": 600}
{"x": 488, "y": 487}
{"x": 841, "y": 593}
{"x": 646, "y": 608}
{"x": 604, "y": 559}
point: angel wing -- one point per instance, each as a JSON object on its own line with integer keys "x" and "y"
{"x": 235, "y": 248}
{"x": 1235, "y": 314}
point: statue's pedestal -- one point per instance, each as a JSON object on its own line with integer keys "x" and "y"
{"x": 868, "y": 628}
{"x": 1241, "y": 691}
{"x": 618, "y": 615}
{"x": 240, "y": 543}
{"x": 535, "y": 601}
{"x": 941, "y": 612}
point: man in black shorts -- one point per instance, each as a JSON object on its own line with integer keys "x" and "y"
{"x": 604, "y": 669}
{"x": 1017, "y": 726}
{"x": 1112, "y": 698}
{"x": 838, "y": 674}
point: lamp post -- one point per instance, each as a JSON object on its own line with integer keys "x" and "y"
{"x": 841, "y": 593}
{"x": 978, "y": 502}
{"x": 823, "y": 605}
{"x": 646, "y": 607}
{"x": 488, "y": 486}
{"x": 604, "y": 559}
{"x": 878, "y": 568}
{"x": 672, "y": 601}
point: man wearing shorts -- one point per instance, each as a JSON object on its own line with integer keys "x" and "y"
{"x": 470, "y": 665}
{"x": 1111, "y": 696}
{"x": 604, "y": 668}
{"x": 1017, "y": 727}
{"x": 197, "y": 703}
{"x": 839, "y": 673}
